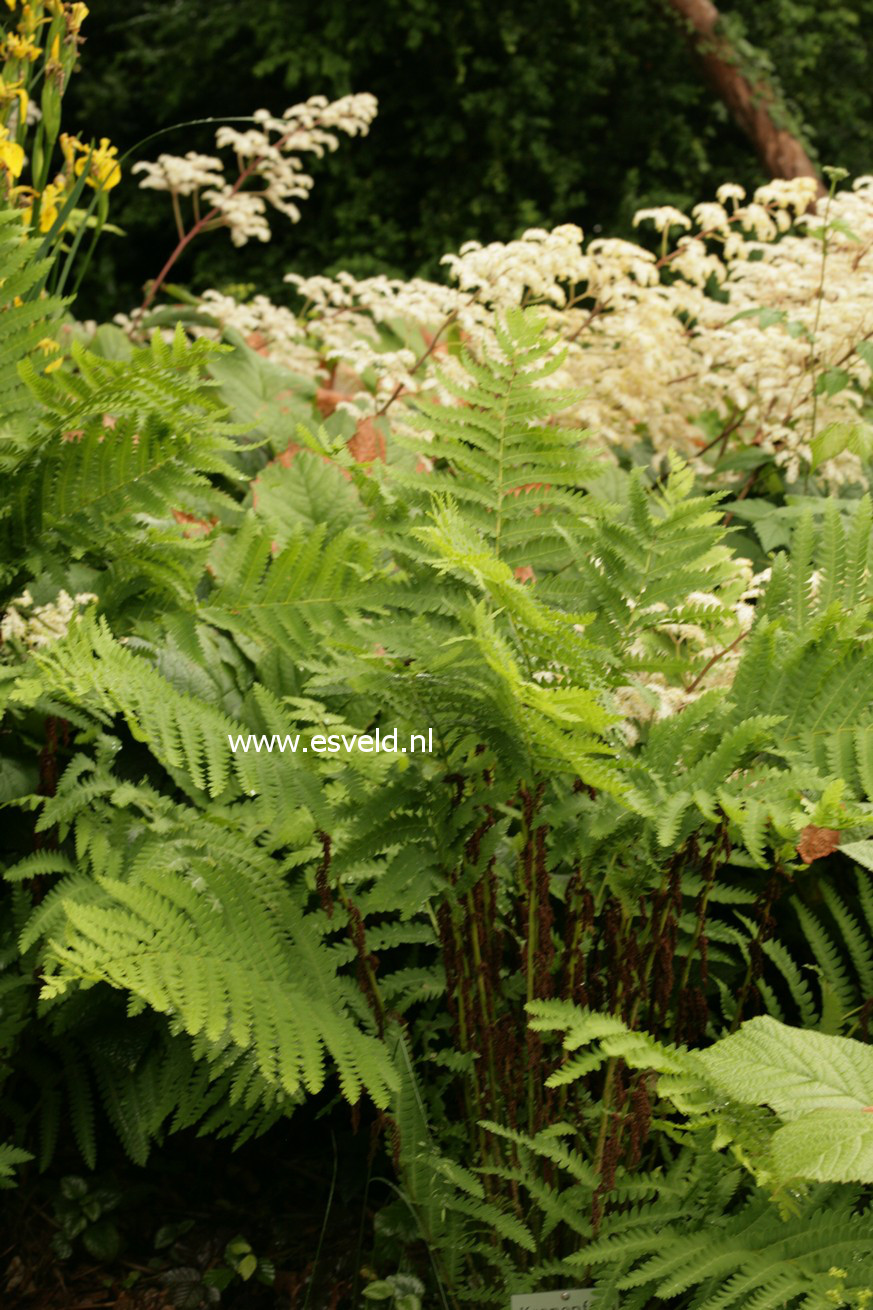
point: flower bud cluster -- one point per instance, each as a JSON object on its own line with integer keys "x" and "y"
{"x": 270, "y": 172}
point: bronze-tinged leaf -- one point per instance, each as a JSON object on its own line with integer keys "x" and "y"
{"x": 257, "y": 341}
{"x": 368, "y": 443}
{"x": 815, "y": 843}
{"x": 193, "y": 526}
{"x": 327, "y": 399}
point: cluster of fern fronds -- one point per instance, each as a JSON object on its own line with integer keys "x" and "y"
{"x": 220, "y": 932}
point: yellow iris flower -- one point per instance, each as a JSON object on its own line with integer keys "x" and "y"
{"x": 48, "y": 208}
{"x": 69, "y": 145}
{"x": 11, "y": 155}
{"x": 30, "y": 20}
{"x": 76, "y": 15}
{"x": 105, "y": 171}
{"x": 21, "y": 47}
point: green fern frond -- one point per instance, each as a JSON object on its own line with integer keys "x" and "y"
{"x": 193, "y": 741}
{"x": 515, "y": 476}
{"x": 25, "y": 320}
{"x": 193, "y": 921}
{"x": 10, "y": 1158}
{"x": 283, "y": 598}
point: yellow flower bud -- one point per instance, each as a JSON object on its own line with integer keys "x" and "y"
{"x": 76, "y": 15}
{"x": 10, "y": 91}
{"x": 69, "y": 145}
{"x": 48, "y": 208}
{"x": 29, "y": 21}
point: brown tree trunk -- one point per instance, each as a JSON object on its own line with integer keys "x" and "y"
{"x": 752, "y": 105}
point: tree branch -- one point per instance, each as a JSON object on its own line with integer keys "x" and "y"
{"x": 753, "y": 105}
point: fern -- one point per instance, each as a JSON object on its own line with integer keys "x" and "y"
{"x": 818, "y": 1086}
{"x": 222, "y": 932}
{"x": 10, "y": 1157}
{"x": 195, "y": 922}
{"x": 310, "y": 586}
{"x": 25, "y": 320}
{"x": 495, "y": 453}
{"x": 124, "y": 454}
{"x": 642, "y": 566}
{"x": 753, "y": 1257}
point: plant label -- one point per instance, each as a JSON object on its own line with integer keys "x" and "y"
{"x": 576, "y": 1298}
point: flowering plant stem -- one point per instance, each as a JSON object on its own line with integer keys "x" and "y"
{"x": 819, "y": 296}
{"x": 200, "y": 225}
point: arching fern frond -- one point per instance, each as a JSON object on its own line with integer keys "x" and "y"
{"x": 188, "y": 915}
{"x": 192, "y": 740}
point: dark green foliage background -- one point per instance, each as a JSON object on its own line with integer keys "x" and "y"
{"x": 492, "y": 118}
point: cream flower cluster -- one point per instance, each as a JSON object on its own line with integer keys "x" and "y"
{"x": 182, "y": 174}
{"x": 270, "y": 172}
{"x": 738, "y": 333}
{"x": 34, "y": 626}
{"x": 538, "y": 267}
{"x": 273, "y": 330}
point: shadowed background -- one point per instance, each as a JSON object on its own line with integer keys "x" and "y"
{"x": 488, "y": 122}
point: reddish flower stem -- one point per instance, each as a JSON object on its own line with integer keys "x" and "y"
{"x": 202, "y": 223}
